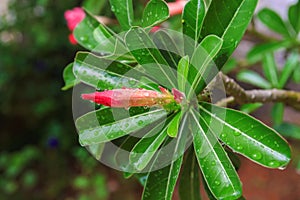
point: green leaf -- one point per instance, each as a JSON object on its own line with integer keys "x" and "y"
{"x": 294, "y": 16}
{"x": 289, "y": 130}
{"x": 228, "y": 20}
{"x": 161, "y": 183}
{"x": 230, "y": 65}
{"x": 105, "y": 74}
{"x": 69, "y": 78}
{"x": 92, "y": 35}
{"x": 174, "y": 125}
{"x": 216, "y": 167}
{"x": 277, "y": 113}
{"x": 273, "y": 21}
{"x": 189, "y": 186}
{"x": 182, "y": 73}
{"x": 144, "y": 150}
{"x": 201, "y": 70}
{"x": 296, "y": 74}
{"x": 149, "y": 57}
{"x": 253, "y": 78}
{"x": 251, "y": 107}
{"x": 270, "y": 69}
{"x": 96, "y": 150}
{"x": 247, "y": 136}
{"x": 123, "y": 10}
{"x": 256, "y": 53}
{"x": 155, "y": 12}
{"x": 94, "y": 6}
{"x": 192, "y": 19}
{"x": 291, "y": 64}
{"x": 91, "y": 131}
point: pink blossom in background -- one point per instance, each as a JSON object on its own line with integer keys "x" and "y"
{"x": 73, "y": 18}
{"x": 175, "y": 8}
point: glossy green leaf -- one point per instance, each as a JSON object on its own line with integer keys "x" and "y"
{"x": 294, "y": 16}
{"x": 273, "y": 21}
{"x": 169, "y": 46}
{"x": 144, "y": 150}
{"x": 270, "y": 69}
{"x": 228, "y": 20}
{"x": 69, "y": 78}
{"x": 247, "y": 136}
{"x": 123, "y": 10}
{"x": 216, "y": 167}
{"x": 251, "y": 107}
{"x": 189, "y": 185}
{"x": 277, "y": 113}
{"x": 192, "y": 19}
{"x": 149, "y": 57}
{"x": 105, "y": 74}
{"x": 253, "y": 78}
{"x": 202, "y": 67}
{"x": 94, "y": 6}
{"x": 92, "y": 35}
{"x": 256, "y": 53}
{"x": 94, "y": 133}
{"x": 155, "y": 12}
{"x": 291, "y": 64}
{"x": 182, "y": 73}
{"x": 174, "y": 125}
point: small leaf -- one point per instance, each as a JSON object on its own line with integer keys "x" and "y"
{"x": 201, "y": 70}
{"x": 174, "y": 125}
{"x": 228, "y": 20}
{"x": 270, "y": 69}
{"x": 92, "y": 35}
{"x": 291, "y": 63}
{"x": 256, "y": 53}
{"x": 189, "y": 187}
{"x": 247, "y": 136}
{"x": 251, "y": 107}
{"x": 155, "y": 12}
{"x": 253, "y": 78}
{"x": 216, "y": 167}
{"x": 123, "y": 10}
{"x": 182, "y": 72}
{"x": 294, "y": 16}
{"x": 277, "y": 113}
{"x": 69, "y": 78}
{"x": 273, "y": 21}
{"x": 149, "y": 57}
{"x": 192, "y": 19}
{"x": 95, "y": 133}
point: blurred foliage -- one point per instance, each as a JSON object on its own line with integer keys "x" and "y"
{"x": 39, "y": 158}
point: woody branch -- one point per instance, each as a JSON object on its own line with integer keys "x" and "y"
{"x": 240, "y": 96}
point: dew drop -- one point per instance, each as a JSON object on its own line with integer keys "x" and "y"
{"x": 273, "y": 163}
{"x": 237, "y": 133}
{"x": 113, "y": 9}
{"x": 223, "y": 135}
{"x": 256, "y": 156}
{"x": 217, "y": 183}
{"x": 140, "y": 122}
{"x": 213, "y": 163}
{"x": 239, "y": 147}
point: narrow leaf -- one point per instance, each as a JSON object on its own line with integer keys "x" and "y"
{"x": 247, "y": 136}
{"x": 189, "y": 187}
{"x": 294, "y": 16}
{"x": 182, "y": 73}
{"x": 253, "y": 78}
{"x": 155, "y": 12}
{"x": 174, "y": 125}
{"x": 217, "y": 169}
{"x": 95, "y": 133}
{"x": 270, "y": 69}
{"x": 149, "y": 57}
{"x": 123, "y": 10}
{"x": 251, "y": 107}
{"x": 228, "y": 20}
{"x": 291, "y": 63}
{"x": 277, "y": 113}
{"x": 69, "y": 78}
{"x": 273, "y": 21}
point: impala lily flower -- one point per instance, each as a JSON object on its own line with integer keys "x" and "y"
{"x": 73, "y": 18}
{"x": 125, "y": 98}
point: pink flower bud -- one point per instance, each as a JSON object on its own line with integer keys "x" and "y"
{"x": 175, "y": 8}
{"x": 74, "y": 17}
{"x": 125, "y": 98}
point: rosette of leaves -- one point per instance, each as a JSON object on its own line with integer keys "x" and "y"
{"x": 133, "y": 60}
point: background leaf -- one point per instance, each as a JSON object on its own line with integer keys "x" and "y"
{"x": 291, "y": 64}
{"x": 123, "y": 9}
{"x": 293, "y": 15}
{"x": 253, "y": 78}
{"x": 273, "y": 21}
{"x": 270, "y": 69}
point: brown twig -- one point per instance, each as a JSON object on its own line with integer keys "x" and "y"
{"x": 241, "y": 96}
